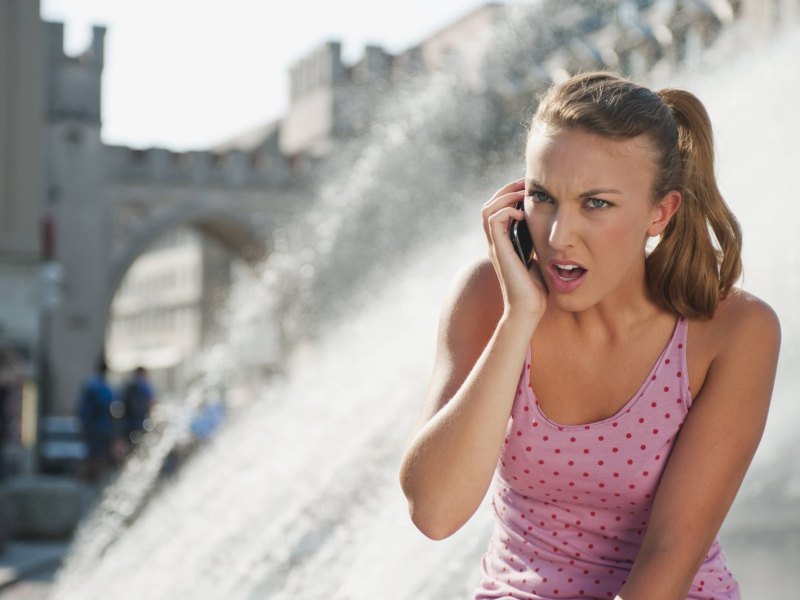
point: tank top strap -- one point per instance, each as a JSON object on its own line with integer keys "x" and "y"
{"x": 679, "y": 343}
{"x": 682, "y": 331}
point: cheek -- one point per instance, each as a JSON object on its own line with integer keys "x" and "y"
{"x": 627, "y": 230}
{"x": 624, "y": 241}
{"x": 539, "y": 229}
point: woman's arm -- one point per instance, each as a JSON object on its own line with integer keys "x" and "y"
{"x": 485, "y": 330}
{"x": 449, "y": 463}
{"x": 711, "y": 455}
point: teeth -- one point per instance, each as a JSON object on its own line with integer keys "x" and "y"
{"x": 567, "y": 267}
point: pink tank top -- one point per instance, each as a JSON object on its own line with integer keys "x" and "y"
{"x": 572, "y": 502}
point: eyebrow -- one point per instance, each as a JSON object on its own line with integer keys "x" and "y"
{"x": 588, "y": 193}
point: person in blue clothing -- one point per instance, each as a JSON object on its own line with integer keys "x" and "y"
{"x": 99, "y": 428}
{"x": 137, "y": 399}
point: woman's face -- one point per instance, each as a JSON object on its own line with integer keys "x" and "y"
{"x": 589, "y": 207}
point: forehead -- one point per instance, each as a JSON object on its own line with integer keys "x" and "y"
{"x": 577, "y": 157}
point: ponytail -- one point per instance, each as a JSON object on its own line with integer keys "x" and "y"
{"x": 689, "y": 272}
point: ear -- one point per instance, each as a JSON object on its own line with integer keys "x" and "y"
{"x": 663, "y": 211}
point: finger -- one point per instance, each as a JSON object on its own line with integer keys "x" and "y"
{"x": 495, "y": 204}
{"x": 500, "y": 221}
{"x": 508, "y": 204}
{"x": 513, "y": 186}
{"x": 508, "y": 201}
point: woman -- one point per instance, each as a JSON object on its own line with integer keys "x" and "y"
{"x": 616, "y": 397}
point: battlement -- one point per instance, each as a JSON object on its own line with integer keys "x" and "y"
{"x": 73, "y": 83}
{"x": 323, "y": 68}
{"x": 92, "y": 57}
{"x": 329, "y": 99}
{"x": 233, "y": 168}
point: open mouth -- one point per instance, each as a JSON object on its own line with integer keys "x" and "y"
{"x": 569, "y": 272}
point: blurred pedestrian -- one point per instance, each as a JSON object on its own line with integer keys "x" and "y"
{"x": 12, "y": 375}
{"x": 95, "y": 412}
{"x": 137, "y": 398}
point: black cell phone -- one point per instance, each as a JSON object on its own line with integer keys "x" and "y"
{"x": 521, "y": 238}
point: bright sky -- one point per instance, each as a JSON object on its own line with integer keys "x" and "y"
{"x": 190, "y": 73}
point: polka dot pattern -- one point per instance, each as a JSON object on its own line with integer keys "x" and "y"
{"x": 572, "y": 503}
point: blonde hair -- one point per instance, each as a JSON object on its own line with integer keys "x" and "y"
{"x": 688, "y": 272}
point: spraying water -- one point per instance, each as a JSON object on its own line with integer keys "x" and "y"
{"x": 297, "y": 496}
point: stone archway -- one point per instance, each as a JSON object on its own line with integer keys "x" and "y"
{"x": 170, "y": 309}
{"x": 246, "y": 234}
{"x": 234, "y": 229}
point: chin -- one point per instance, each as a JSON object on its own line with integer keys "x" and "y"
{"x": 571, "y": 302}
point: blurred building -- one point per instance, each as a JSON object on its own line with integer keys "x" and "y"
{"x": 22, "y": 186}
{"x": 330, "y": 100}
{"x": 138, "y": 284}
{"x": 83, "y": 223}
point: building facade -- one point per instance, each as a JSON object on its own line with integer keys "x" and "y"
{"x": 22, "y": 187}
{"x": 103, "y": 207}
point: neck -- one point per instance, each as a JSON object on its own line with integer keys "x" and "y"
{"x": 615, "y": 316}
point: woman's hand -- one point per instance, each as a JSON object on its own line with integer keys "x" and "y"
{"x": 524, "y": 291}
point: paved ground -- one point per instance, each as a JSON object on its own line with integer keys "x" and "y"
{"x": 36, "y": 587}
{"x": 27, "y": 569}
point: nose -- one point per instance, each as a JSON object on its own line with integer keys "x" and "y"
{"x": 562, "y": 230}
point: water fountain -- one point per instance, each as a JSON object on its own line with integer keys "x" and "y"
{"x": 297, "y": 496}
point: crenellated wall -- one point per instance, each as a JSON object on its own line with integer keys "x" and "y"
{"x": 73, "y": 83}
{"x": 232, "y": 169}
{"x": 321, "y": 68}
{"x": 330, "y": 100}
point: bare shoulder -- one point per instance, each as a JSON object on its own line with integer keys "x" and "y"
{"x": 745, "y": 318}
{"x": 470, "y": 313}
{"x": 479, "y": 272}
{"x": 475, "y": 293}
{"x": 744, "y": 330}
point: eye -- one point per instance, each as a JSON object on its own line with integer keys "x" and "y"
{"x": 597, "y": 203}
{"x": 539, "y": 196}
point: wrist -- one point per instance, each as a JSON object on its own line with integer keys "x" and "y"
{"x": 523, "y": 322}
